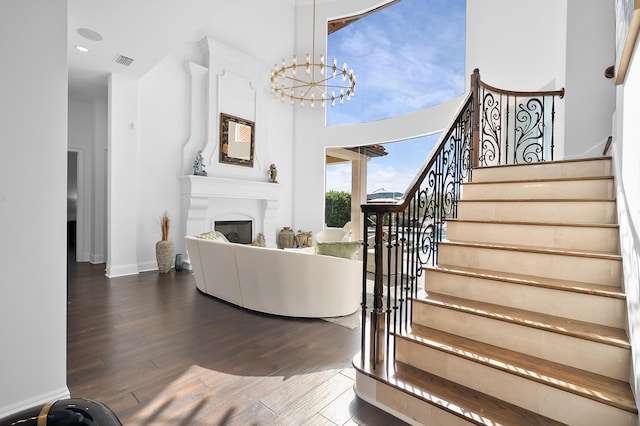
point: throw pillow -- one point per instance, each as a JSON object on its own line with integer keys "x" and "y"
{"x": 213, "y": 235}
{"x": 344, "y": 249}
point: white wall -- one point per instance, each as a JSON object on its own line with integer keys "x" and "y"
{"x": 33, "y": 173}
{"x": 508, "y": 55}
{"x": 569, "y": 47}
{"x": 590, "y": 96}
{"x": 124, "y": 190}
{"x": 145, "y": 162}
{"x": 512, "y": 57}
{"x": 162, "y": 128}
{"x": 626, "y": 153}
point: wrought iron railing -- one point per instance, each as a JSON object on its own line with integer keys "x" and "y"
{"x": 403, "y": 236}
{"x": 406, "y": 234}
{"x": 515, "y": 127}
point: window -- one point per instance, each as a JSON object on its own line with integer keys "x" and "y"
{"x": 406, "y": 57}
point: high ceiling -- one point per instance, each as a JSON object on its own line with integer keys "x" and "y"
{"x": 142, "y": 30}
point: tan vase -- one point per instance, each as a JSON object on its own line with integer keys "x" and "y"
{"x": 164, "y": 255}
{"x": 303, "y": 239}
{"x": 286, "y": 238}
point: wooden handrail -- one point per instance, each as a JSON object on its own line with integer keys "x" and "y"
{"x": 559, "y": 93}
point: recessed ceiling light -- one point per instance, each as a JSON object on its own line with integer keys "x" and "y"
{"x": 81, "y": 49}
{"x": 89, "y": 34}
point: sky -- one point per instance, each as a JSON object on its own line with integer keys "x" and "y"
{"x": 419, "y": 44}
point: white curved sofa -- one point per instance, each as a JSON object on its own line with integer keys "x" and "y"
{"x": 292, "y": 283}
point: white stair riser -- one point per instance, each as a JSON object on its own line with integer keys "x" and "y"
{"x": 607, "y": 360}
{"x": 544, "y": 171}
{"x": 563, "y": 267}
{"x": 537, "y": 397}
{"x": 607, "y": 311}
{"x": 539, "y": 211}
{"x": 414, "y": 410}
{"x": 550, "y": 236}
{"x": 600, "y": 188}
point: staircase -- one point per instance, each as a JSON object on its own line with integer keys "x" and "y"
{"x": 522, "y": 319}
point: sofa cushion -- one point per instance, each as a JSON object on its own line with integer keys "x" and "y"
{"x": 344, "y": 249}
{"x": 329, "y": 235}
{"x": 213, "y": 235}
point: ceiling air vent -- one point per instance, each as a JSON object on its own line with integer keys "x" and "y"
{"x": 123, "y": 60}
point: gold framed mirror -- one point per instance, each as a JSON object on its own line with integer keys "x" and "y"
{"x": 237, "y": 140}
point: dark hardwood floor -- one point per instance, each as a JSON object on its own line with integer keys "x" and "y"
{"x": 157, "y": 351}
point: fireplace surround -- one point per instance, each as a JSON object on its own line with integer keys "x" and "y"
{"x": 207, "y": 199}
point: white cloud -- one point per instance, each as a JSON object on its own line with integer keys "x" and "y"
{"x": 406, "y": 57}
{"x": 388, "y": 177}
{"x": 338, "y": 177}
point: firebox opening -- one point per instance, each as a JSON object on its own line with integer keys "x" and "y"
{"x": 236, "y": 231}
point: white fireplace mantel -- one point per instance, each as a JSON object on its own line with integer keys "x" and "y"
{"x": 207, "y": 186}
{"x": 200, "y": 193}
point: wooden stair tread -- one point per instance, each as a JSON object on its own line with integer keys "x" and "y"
{"x": 606, "y": 390}
{"x": 529, "y": 223}
{"x": 543, "y": 163}
{"x": 574, "y": 328}
{"x": 535, "y": 249}
{"x": 469, "y": 404}
{"x": 532, "y": 280}
{"x": 538, "y": 180}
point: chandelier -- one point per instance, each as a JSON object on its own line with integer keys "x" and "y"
{"x": 313, "y": 81}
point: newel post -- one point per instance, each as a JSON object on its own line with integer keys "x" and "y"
{"x": 475, "y": 103}
{"x": 378, "y": 319}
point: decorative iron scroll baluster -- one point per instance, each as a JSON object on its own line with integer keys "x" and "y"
{"x": 521, "y": 114}
{"x": 406, "y": 233}
{"x": 490, "y": 130}
{"x": 529, "y": 131}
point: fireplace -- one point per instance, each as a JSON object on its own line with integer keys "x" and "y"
{"x": 208, "y": 199}
{"x": 236, "y": 231}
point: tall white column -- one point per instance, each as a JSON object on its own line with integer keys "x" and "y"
{"x": 122, "y": 177}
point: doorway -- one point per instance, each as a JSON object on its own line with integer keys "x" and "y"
{"x": 72, "y": 205}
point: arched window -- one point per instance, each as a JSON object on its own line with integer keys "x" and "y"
{"x": 407, "y": 56}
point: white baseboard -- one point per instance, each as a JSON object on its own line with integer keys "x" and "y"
{"x": 593, "y": 151}
{"x": 121, "y": 270}
{"x": 187, "y": 265}
{"x": 62, "y": 393}
{"x": 147, "y": 266}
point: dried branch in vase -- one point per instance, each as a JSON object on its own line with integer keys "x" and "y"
{"x": 164, "y": 225}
